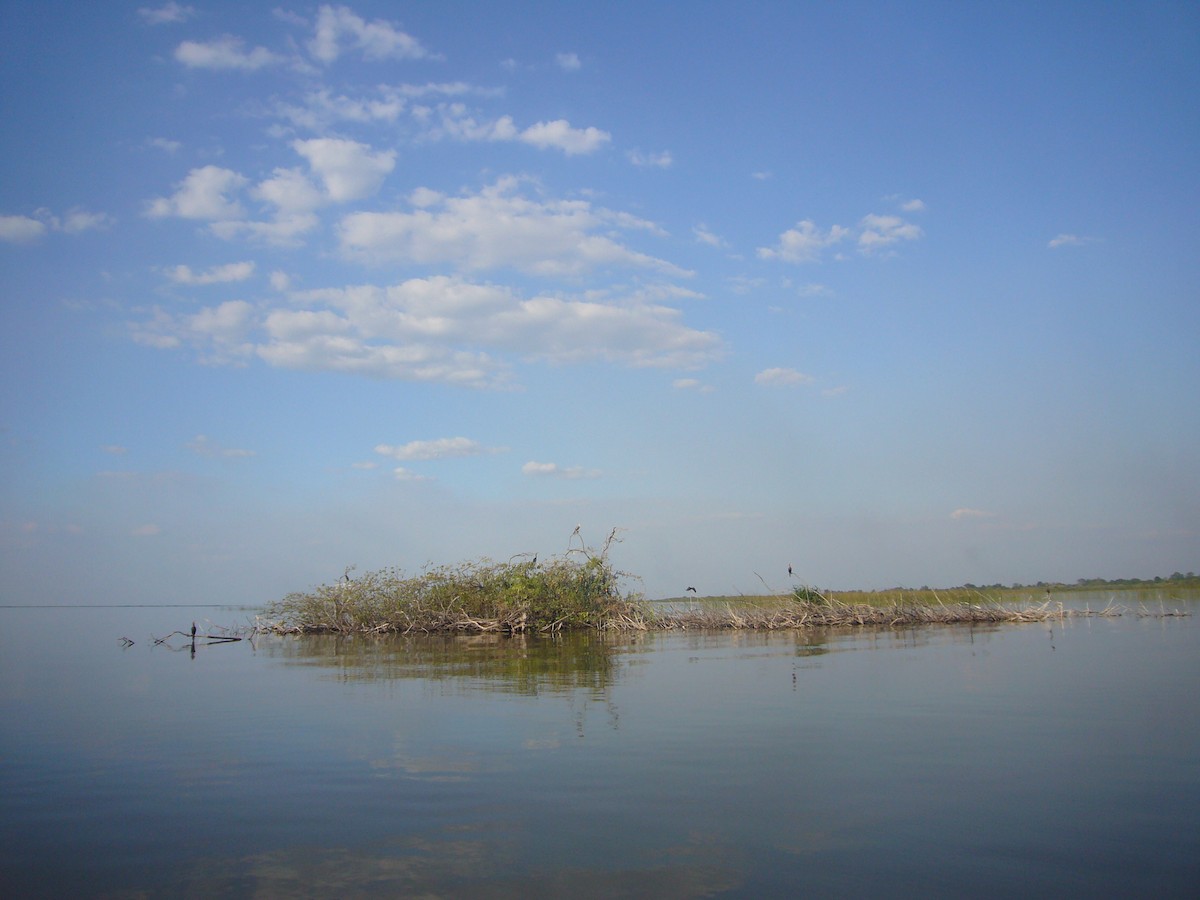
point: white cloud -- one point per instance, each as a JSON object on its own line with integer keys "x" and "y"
{"x": 168, "y": 14}
{"x": 338, "y": 26}
{"x": 554, "y": 470}
{"x": 238, "y": 271}
{"x": 568, "y": 62}
{"x": 968, "y": 513}
{"x": 20, "y": 229}
{"x": 202, "y": 446}
{"x": 225, "y": 52}
{"x": 559, "y": 135}
{"x": 441, "y": 448}
{"x": 203, "y": 194}
{"x": 438, "y": 329}
{"x": 782, "y": 377}
{"x": 661, "y": 160}
{"x": 78, "y": 220}
{"x": 498, "y": 228}
{"x": 704, "y": 236}
{"x": 913, "y": 205}
{"x": 217, "y": 332}
{"x": 284, "y": 230}
{"x": 877, "y": 231}
{"x": 456, "y": 122}
{"x": 1070, "y": 240}
{"x": 167, "y": 146}
{"x": 403, "y": 474}
{"x": 280, "y": 281}
{"x": 804, "y": 243}
{"x": 348, "y": 170}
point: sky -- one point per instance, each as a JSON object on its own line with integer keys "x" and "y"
{"x": 891, "y": 293}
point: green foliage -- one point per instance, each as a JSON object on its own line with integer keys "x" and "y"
{"x": 577, "y": 590}
{"x": 807, "y": 594}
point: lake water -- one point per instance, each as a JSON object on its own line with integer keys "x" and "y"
{"x": 1054, "y": 759}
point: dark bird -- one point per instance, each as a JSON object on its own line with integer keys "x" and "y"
{"x": 692, "y": 589}
{"x": 789, "y": 571}
{"x": 193, "y": 631}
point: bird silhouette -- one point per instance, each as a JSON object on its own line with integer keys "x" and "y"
{"x": 789, "y": 570}
{"x": 193, "y": 631}
{"x": 692, "y": 589}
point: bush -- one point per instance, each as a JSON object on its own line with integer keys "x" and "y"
{"x": 577, "y": 590}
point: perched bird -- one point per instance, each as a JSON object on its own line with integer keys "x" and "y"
{"x": 692, "y": 589}
{"x": 789, "y": 571}
{"x": 193, "y": 631}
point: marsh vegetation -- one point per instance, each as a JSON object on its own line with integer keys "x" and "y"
{"x": 581, "y": 590}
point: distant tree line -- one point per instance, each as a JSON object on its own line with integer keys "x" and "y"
{"x": 1175, "y": 579}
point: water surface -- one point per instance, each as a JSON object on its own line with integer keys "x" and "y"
{"x": 1054, "y": 759}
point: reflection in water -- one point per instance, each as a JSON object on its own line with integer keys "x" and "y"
{"x": 944, "y": 761}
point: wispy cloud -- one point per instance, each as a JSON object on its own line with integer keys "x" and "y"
{"x": 498, "y": 227}
{"x": 338, "y": 28}
{"x": 203, "y": 446}
{"x": 804, "y": 243}
{"x": 25, "y": 229}
{"x": 230, "y": 272}
{"x": 170, "y": 13}
{"x": 441, "y": 448}
{"x": 554, "y": 470}
{"x": 225, "y": 53}
{"x": 568, "y": 62}
{"x": 781, "y": 377}
{"x": 966, "y": 512}
{"x": 1070, "y": 240}
{"x": 660, "y": 160}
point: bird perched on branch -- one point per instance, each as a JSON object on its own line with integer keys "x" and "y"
{"x": 193, "y": 631}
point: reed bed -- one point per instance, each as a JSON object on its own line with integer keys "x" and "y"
{"x": 580, "y": 590}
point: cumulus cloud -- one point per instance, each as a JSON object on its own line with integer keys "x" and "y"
{"x": 498, "y": 228}
{"x": 440, "y": 448}
{"x": 877, "y": 232}
{"x": 346, "y": 169}
{"x": 238, "y": 271}
{"x": 21, "y": 229}
{"x": 338, "y": 27}
{"x": 804, "y": 243}
{"x": 204, "y": 194}
{"x": 554, "y": 470}
{"x": 169, "y": 13}
{"x": 439, "y": 329}
{"x": 456, "y": 122}
{"x": 224, "y": 53}
{"x": 780, "y": 377}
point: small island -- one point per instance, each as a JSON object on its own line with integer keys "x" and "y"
{"x": 581, "y": 590}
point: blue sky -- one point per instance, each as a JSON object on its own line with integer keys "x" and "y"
{"x": 897, "y": 294}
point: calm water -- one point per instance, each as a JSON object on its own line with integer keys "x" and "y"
{"x": 947, "y": 761}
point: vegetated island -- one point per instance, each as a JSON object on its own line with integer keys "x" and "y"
{"x": 581, "y": 590}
